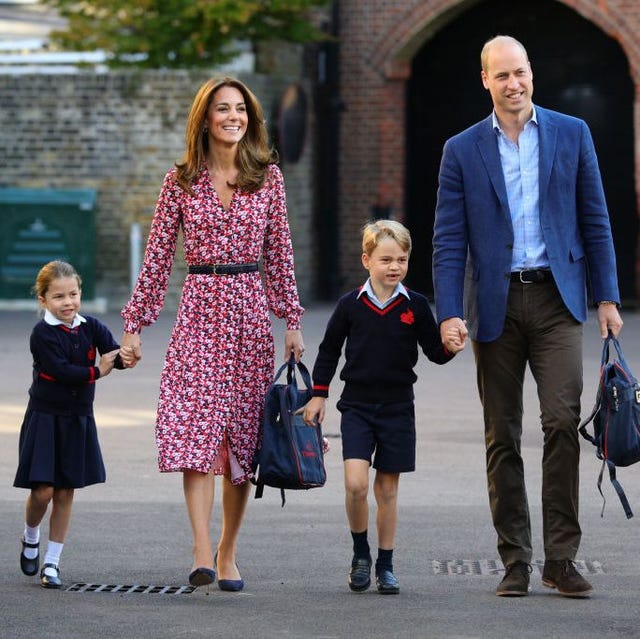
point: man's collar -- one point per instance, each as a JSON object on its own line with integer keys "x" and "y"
{"x": 496, "y": 123}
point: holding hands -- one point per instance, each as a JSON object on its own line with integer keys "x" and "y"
{"x": 453, "y": 332}
{"x": 105, "y": 365}
{"x": 131, "y": 349}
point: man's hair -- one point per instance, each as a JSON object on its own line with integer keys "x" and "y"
{"x": 484, "y": 54}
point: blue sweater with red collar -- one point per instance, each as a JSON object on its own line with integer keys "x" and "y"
{"x": 64, "y": 369}
{"x": 381, "y": 347}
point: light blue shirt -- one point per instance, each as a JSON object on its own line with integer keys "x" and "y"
{"x": 399, "y": 290}
{"x": 520, "y": 168}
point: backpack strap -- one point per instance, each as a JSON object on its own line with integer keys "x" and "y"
{"x": 618, "y": 488}
{"x": 260, "y": 491}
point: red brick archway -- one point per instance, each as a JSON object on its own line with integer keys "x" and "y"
{"x": 378, "y": 41}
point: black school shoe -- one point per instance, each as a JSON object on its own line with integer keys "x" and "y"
{"x": 360, "y": 574}
{"x": 50, "y": 581}
{"x": 29, "y": 566}
{"x": 387, "y": 583}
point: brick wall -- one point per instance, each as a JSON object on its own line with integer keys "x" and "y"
{"x": 119, "y": 133}
{"x": 378, "y": 39}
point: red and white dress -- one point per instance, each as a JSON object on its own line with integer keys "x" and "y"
{"x": 220, "y": 358}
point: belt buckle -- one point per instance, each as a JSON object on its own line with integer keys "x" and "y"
{"x": 525, "y": 281}
{"x": 215, "y": 269}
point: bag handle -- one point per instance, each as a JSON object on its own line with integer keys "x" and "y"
{"x": 290, "y": 365}
{"x": 292, "y": 382}
{"x": 609, "y": 341}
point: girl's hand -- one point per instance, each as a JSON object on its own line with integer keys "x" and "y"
{"x": 293, "y": 343}
{"x": 130, "y": 349}
{"x": 105, "y": 365}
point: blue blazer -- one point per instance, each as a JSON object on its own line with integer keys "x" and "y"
{"x": 473, "y": 234}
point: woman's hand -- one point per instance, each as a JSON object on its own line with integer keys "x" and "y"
{"x": 293, "y": 343}
{"x": 130, "y": 349}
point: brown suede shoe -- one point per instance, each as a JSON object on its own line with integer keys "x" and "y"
{"x": 563, "y": 576}
{"x": 515, "y": 582}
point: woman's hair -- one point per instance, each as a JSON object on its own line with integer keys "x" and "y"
{"x": 374, "y": 232}
{"x": 52, "y": 271}
{"x": 254, "y": 153}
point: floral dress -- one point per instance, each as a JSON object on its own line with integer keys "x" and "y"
{"x": 220, "y": 358}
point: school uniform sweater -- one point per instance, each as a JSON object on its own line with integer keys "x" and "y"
{"x": 64, "y": 369}
{"x": 381, "y": 347}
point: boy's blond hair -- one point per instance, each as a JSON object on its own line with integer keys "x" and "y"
{"x": 374, "y": 232}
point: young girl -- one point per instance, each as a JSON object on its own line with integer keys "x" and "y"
{"x": 58, "y": 447}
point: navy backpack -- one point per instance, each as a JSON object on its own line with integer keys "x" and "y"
{"x": 290, "y": 455}
{"x": 616, "y": 418}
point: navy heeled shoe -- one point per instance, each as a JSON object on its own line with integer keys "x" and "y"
{"x": 29, "y": 566}
{"x": 230, "y": 585}
{"x": 202, "y": 577}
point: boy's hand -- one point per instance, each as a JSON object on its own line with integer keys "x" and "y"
{"x": 105, "y": 365}
{"x": 453, "y": 333}
{"x": 314, "y": 411}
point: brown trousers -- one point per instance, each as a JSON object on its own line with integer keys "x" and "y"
{"x": 539, "y": 330}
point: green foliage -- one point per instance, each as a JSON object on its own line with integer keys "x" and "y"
{"x": 179, "y": 33}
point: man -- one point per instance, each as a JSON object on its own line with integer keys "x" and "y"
{"x": 521, "y": 222}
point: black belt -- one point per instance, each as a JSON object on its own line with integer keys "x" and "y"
{"x": 534, "y": 276}
{"x": 222, "y": 269}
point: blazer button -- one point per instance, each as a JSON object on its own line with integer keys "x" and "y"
{"x": 509, "y": 246}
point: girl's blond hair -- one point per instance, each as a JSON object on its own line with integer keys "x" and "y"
{"x": 52, "y": 271}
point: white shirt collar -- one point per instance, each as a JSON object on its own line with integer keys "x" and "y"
{"x": 52, "y": 320}
{"x": 400, "y": 289}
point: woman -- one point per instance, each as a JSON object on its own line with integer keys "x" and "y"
{"x": 228, "y": 196}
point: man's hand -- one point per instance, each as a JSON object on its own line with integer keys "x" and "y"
{"x": 453, "y": 333}
{"x": 609, "y": 319}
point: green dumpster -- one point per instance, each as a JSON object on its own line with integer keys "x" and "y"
{"x": 40, "y": 225}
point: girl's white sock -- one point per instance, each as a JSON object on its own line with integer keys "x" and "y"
{"x": 54, "y": 550}
{"x": 31, "y": 536}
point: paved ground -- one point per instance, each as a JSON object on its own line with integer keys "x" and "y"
{"x": 133, "y": 530}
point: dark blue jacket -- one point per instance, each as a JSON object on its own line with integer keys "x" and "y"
{"x": 64, "y": 370}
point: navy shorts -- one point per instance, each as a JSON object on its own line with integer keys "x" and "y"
{"x": 385, "y": 431}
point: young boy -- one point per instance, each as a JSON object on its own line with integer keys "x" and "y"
{"x": 383, "y": 323}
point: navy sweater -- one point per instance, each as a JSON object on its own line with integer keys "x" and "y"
{"x": 381, "y": 347}
{"x": 64, "y": 369}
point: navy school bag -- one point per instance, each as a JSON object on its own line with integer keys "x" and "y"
{"x": 290, "y": 455}
{"x": 616, "y": 418}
